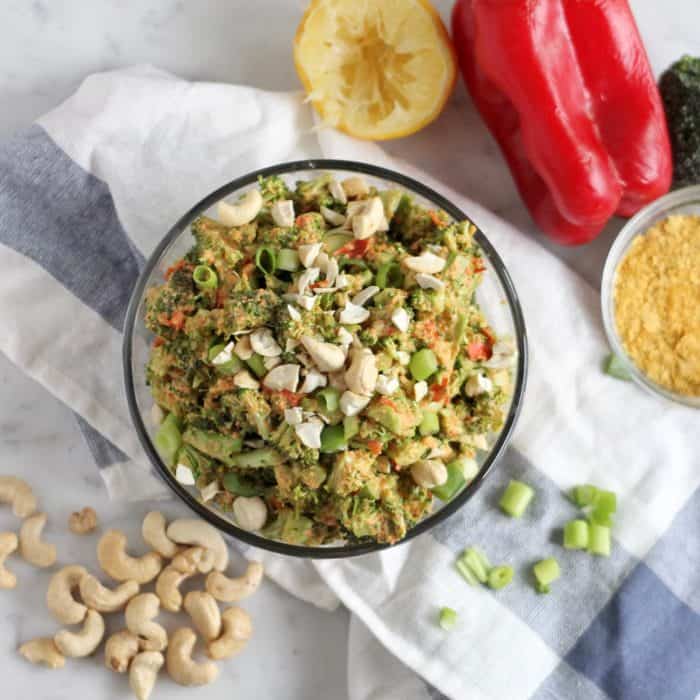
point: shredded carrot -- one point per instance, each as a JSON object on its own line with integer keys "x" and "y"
{"x": 221, "y": 294}
{"x": 374, "y": 446}
{"x": 158, "y": 341}
{"x": 478, "y": 350}
{"x": 302, "y": 220}
{"x": 174, "y": 268}
{"x": 438, "y": 390}
{"x": 355, "y": 249}
{"x": 384, "y": 401}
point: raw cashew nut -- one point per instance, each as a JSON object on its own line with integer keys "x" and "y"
{"x": 139, "y": 615}
{"x": 167, "y": 585}
{"x": 328, "y": 357}
{"x": 355, "y": 186}
{"x": 120, "y": 649}
{"x": 111, "y": 553}
{"x": 8, "y": 544}
{"x": 243, "y": 212}
{"x": 18, "y": 494}
{"x": 204, "y": 611}
{"x": 59, "y": 596}
{"x": 361, "y": 376}
{"x": 43, "y": 651}
{"x": 193, "y": 531}
{"x": 81, "y": 522}
{"x": 237, "y": 630}
{"x": 153, "y": 531}
{"x": 429, "y": 473}
{"x": 231, "y": 590}
{"x": 194, "y": 560}
{"x": 179, "y": 662}
{"x": 143, "y": 673}
{"x": 103, "y": 599}
{"x": 41, "y": 554}
{"x": 83, "y": 643}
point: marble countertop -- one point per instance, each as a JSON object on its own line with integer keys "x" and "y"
{"x": 47, "y": 49}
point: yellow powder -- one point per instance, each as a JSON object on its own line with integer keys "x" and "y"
{"x": 657, "y": 303}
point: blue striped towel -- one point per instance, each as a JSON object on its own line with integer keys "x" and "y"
{"x": 87, "y": 193}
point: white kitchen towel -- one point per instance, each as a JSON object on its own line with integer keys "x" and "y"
{"x": 87, "y": 193}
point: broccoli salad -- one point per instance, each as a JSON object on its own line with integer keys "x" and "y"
{"x": 321, "y": 369}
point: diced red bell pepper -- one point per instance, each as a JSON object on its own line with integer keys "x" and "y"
{"x": 355, "y": 248}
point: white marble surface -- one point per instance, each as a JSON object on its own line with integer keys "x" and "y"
{"x": 48, "y": 47}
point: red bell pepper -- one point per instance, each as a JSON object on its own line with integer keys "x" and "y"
{"x": 566, "y": 89}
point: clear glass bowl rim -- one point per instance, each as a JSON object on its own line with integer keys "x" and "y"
{"x": 324, "y": 551}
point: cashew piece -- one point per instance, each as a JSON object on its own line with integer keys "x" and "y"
{"x": 361, "y": 376}
{"x": 120, "y": 649}
{"x": 328, "y": 357}
{"x": 193, "y": 531}
{"x": 243, "y": 212}
{"x": 179, "y": 662}
{"x": 153, "y": 531}
{"x": 237, "y": 630}
{"x": 167, "y": 587}
{"x": 83, "y": 643}
{"x": 194, "y": 560}
{"x": 59, "y": 596}
{"x": 429, "y": 473}
{"x": 43, "y": 651}
{"x": 139, "y": 615}
{"x": 8, "y": 544}
{"x": 144, "y": 672}
{"x": 18, "y": 493}
{"x": 111, "y": 553}
{"x": 103, "y": 599}
{"x": 204, "y": 611}
{"x": 81, "y": 522}
{"x": 32, "y": 549}
{"x": 231, "y": 590}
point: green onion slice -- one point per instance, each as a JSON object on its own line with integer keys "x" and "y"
{"x": 205, "y": 277}
{"x": 584, "y": 495}
{"x": 389, "y": 275}
{"x": 288, "y": 260}
{"x": 335, "y": 241}
{"x": 448, "y": 618}
{"x": 241, "y": 487}
{"x": 546, "y": 572}
{"x": 466, "y": 573}
{"x": 454, "y": 484}
{"x": 430, "y": 423}
{"x": 333, "y": 438}
{"x": 516, "y": 498}
{"x": 615, "y": 367}
{"x": 423, "y": 364}
{"x": 168, "y": 439}
{"x": 477, "y": 563}
{"x": 500, "y": 577}
{"x": 256, "y": 364}
{"x": 576, "y": 534}
{"x": 599, "y": 540}
{"x": 266, "y": 260}
{"x": 329, "y": 399}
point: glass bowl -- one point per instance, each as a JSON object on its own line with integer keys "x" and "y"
{"x": 683, "y": 201}
{"x": 496, "y": 295}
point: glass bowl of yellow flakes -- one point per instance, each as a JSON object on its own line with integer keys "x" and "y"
{"x": 650, "y": 293}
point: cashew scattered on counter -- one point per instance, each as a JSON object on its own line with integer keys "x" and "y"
{"x": 181, "y": 667}
{"x": 120, "y": 649}
{"x": 139, "y": 615}
{"x": 237, "y": 629}
{"x": 103, "y": 599}
{"x": 243, "y": 212}
{"x": 204, "y": 611}
{"x": 18, "y": 494}
{"x": 32, "y": 549}
{"x": 153, "y": 531}
{"x": 144, "y": 672}
{"x": 82, "y": 522}
{"x": 193, "y": 531}
{"x": 167, "y": 588}
{"x": 111, "y": 553}
{"x": 43, "y": 651}
{"x": 84, "y": 642}
{"x": 8, "y": 544}
{"x": 231, "y": 590}
{"x": 59, "y": 596}
{"x": 194, "y": 560}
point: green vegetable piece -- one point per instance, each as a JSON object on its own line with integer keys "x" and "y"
{"x": 288, "y": 260}
{"x": 391, "y": 200}
{"x": 389, "y": 275}
{"x": 460, "y": 327}
{"x": 500, "y": 577}
{"x": 335, "y": 241}
{"x": 576, "y": 534}
{"x": 290, "y": 527}
{"x": 256, "y": 365}
{"x": 430, "y": 423}
{"x": 447, "y": 618}
{"x": 256, "y": 459}
{"x": 233, "y": 483}
{"x": 454, "y": 484}
{"x": 333, "y": 438}
{"x": 168, "y": 439}
{"x": 601, "y": 517}
{"x": 211, "y": 443}
{"x": 584, "y": 495}
{"x": 266, "y": 260}
{"x": 205, "y": 277}
{"x": 466, "y": 573}
{"x": 606, "y": 502}
{"x": 516, "y": 498}
{"x": 467, "y": 466}
{"x": 233, "y": 366}
{"x": 329, "y": 399}
{"x": 388, "y": 417}
{"x": 423, "y": 364}
{"x": 370, "y": 490}
{"x": 615, "y": 367}
{"x": 599, "y": 540}
{"x": 477, "y": 563}
{"x": 546, "y": 571}
{"x": 351, "y": 426}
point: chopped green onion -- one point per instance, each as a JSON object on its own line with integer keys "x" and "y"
{"x": 600, "y": 517}
{"x": 606, "y": 502}
{"x": 500, "y": 577}
{"x": 546, "y": 571}
{"x": 335, "y": 241}
{"x": 584, "y": 495}
{"x": 255, "y": 459}
{"x": 205, "y": 277}
{"x": 231, "y": 367}
{"x": 235, "y": 484}
{"x": 168, "y": 439}
{"x": 389, "y": 275}
{"x": 329, "y": 399}
{"x": 516, "y": 498}
{"x": 477, "y": 563}
{"x": 460, "y": 327}
{"x": 333, "y": 438}
{"x": 430, "y": 423}
{"x": 467, "y": 466}
{"x": 615, "y": 367}
{"x": 466, "y": 573}
{"x": 351, "y": 426}
{"x": 266, "y": 260}
{"x": 423, "y": 364}
{"x": 576, "y": 534}
{"x": 454, "y": 484}
{"x": 448, "y": 618}
{"x": 288, "y": 259}
{"x": 599, "y": 540}
{"x": 256, "y": 364}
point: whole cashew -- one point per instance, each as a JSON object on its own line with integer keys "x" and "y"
{"x": 19, "y": 494}
{"x": 242, "y": 212}
{"x": 8, "y": 544}
{"x": 205, "y": 614}
{"x": 103, "y": 599}
{"x": 144, "y": 672}
{"x": 153, "y": 532}
{"x": 139, "y": 615}
{"x": 194, "y": 560}
{"x": 120, "y": 649}
{"x": 179, "y": 662}
{"x": 167, "y": 585}
{"x": 237, "y": 630}
{"x": 59, "y": 596}
{"x": 41, "y": 554}
{"x": 111, "y": 553}
{"x": 81, "y": 522}
{"x": 83, "y": 643}
{"x": 193, "y": 531}
{"x": 231, "y": 590}
{"x": 43, "y": 651}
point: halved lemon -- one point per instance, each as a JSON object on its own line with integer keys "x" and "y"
{"x": 376, "y": 69}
